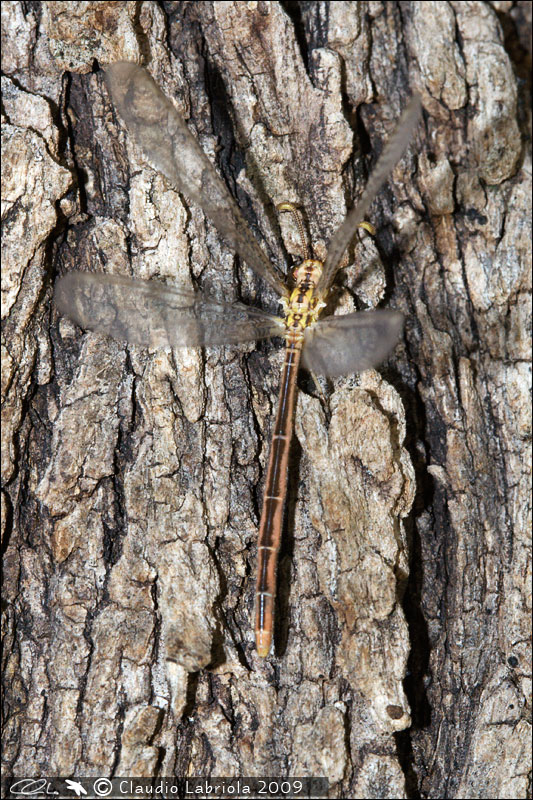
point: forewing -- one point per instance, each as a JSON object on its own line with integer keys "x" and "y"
{"x": 170, "y": 147}
{"x": 152, "y": 314}
{"x": 350, "y": 343}
{"x": 389, "y": 157}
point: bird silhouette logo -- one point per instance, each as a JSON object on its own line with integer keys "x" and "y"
{"x": 75, "y": 786}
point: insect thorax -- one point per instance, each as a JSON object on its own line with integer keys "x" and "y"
{"x": 302, "y": 307}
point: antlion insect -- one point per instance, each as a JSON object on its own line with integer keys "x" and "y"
{"x": 153, "y": 314}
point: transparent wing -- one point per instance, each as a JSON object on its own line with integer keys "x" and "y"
{"x": 171, "y": 148}
{"x": 391, "y": 154}
{"x": 152, "y": 314}
{"x": 350, "y": 342}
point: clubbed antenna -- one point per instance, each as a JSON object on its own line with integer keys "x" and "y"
{"x": 298, "y": 218}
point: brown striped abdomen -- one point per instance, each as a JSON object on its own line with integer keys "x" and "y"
{"x": 271, "y": 524}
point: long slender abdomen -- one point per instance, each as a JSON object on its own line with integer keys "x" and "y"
{"x": 271, "y": 524}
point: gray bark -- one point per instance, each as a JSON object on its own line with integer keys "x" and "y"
{"x": 132, "y": 479}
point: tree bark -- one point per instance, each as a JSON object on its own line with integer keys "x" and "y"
{"x": 132, "y": 479}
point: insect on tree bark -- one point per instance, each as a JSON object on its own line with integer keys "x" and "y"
{"x": 152, "y": 314}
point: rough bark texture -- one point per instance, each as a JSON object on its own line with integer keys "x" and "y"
{"x": 132, "y": 479}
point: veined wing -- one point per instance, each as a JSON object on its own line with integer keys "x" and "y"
{"x": 152, "y": 314}
{"x": 350, "y": 342}
{"x": 389, "y": 157}
{"x": 171, "y": 148}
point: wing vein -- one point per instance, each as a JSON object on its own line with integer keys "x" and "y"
{"x": 170, "y": 147}
{"x": 151, "y": 314}
{"x": 391, "y": 154}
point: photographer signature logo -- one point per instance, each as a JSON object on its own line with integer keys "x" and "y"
{"x": 43, "y": 787}
{"x": 29, "y": 787}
